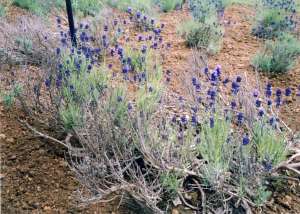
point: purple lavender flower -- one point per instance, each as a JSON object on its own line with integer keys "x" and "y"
{"x": 58, "y": 20}
{"x": 89, "y": 67}
{"x": 211, "y": 122}
{"x": 199, "y": 99}
{"x": 194, "y": 109}
{"x": 48, "y": 83}
{"x": 278, "y": 101}
{"x": 194, "y": 81}
{"x": 58, "y": 51}
{"x": 140, "y": 38}
{"x": 257, "y": 103}
{"x": 173, "y": 119}
{"x": 269, "y": 102}
{"x": 233, "y": 104}
{"x": 198, "y": 87}
{"x": 240, "y": 118}
{"x": 105, "y": 28}
{"x": 261, "y": 113}
{"x": 235, "y": 88}
{"x": 225, "y": 81}
{"x": 129, "y": 106}
{"x": 125, "y": 69}
{"x": 278, "y": 92}
{"x": 255, "y": 93}
{"x": 246, "y": 140}
{"x": 119, "y": 99}
{"x": 269, "y": 90}
{"x": 36, "y": 90}
{"x": 288, "y": 92}
{"x": 183, "y": 119}
{"x": 194, "y": 119}
{"x": 144, "y": 49}
{"x": 272, "y": 121}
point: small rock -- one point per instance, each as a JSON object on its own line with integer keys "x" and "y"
{"x": 2, "y": 136}
{"x": 175, "y": 211}
{"x": 13, "y": 157}
{"x": 2, "y": 176}
{"x": 10, "y": 140}
{"x": 47, "y": 208}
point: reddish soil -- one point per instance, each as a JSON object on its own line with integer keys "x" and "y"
{"x": 34, "y": 179}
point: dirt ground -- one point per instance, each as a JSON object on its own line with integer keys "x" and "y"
{"x": 35, "y": 179}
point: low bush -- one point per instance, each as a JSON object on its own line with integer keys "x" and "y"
{"x": 144, "y": 6}
{"x": 274, "y": 17}
{"x": 205, "y": 9}
{"x": 42, "y": 8}
{"x": 2, "y": 10}
{"x": 278, "y": 56}
{"x": 168, "y": 5}
{"x": 31, "y": 5}
{"x": 206, "y": 35}
{"x": 87, "y": 7}
{"x": 272, "y": 22}
{"x": 111, "y": 113}
{"x": 204, "y": 31}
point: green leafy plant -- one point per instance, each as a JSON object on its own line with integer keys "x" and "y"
{"x": 171, "y": 182}
{"x": 271, "y": 148}
{"x": 8, "y": 98}
{"x": 277, "y": 56}
{"x": 87, "y": 7}
{"x": 2, "y": 10}
{"x": 213, "y": 147}
{"x": 271, "y": 23}
{"x": 203, "y": 35}
{"x": 42, "y": 8}
{"x": 262, "y": 195}
{"x": 31, "y": 5}
{"x": 145, "y": 6}
{"x": 168, "y": 5}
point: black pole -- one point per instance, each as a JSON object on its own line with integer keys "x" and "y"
{"x": 71, "y": 22}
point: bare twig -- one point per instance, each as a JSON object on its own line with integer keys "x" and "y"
{"x": 43, "y": 135}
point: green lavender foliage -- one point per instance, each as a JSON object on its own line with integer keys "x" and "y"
{"x": 277, "y": 56}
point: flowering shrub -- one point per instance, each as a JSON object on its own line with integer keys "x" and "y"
{"x": 168, "y": 5}
{"x": 106, "y": 99}
{"x": 278, "y": 56}
{"x": 204, "y": 31}
{"x": 203, "y": 35}
{"x": 145, "y": 6}
{"x": 40, "y": 7}
{"x": 275, "y": 17}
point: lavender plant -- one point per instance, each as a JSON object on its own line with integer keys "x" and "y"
{"x": 278, "y": 56}
{"x": 2, "y": 10}
{"x": 204, "y": 31}
{"x": 168, "y": 5}
{"x": 143, "y": 6}
{"x": 275, "y": 17}
{"x": 205, "y": 36}
{"x": 107, "y": 103}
